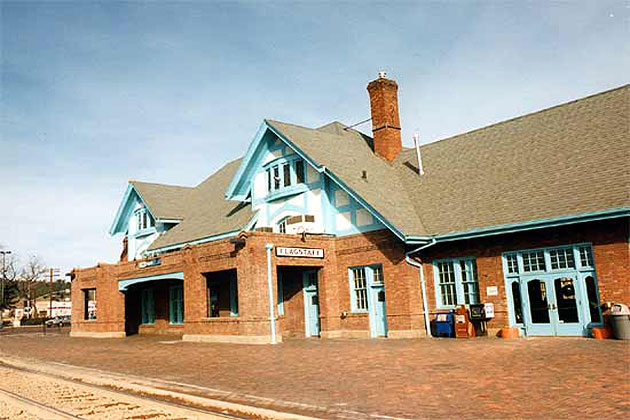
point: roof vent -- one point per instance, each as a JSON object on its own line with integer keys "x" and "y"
{"x": 416, "y": 142}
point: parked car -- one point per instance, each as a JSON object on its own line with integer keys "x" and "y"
{"x": 58, "y": 321}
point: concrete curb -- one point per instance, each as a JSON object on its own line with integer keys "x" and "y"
{"x": 145, "y": 386}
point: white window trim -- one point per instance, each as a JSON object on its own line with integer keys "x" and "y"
{"x": 459, "y": 285}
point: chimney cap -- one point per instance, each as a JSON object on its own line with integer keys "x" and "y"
{"x": 382, "y": 74}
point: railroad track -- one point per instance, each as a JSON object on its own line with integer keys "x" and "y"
{"x": 40, "y": 395}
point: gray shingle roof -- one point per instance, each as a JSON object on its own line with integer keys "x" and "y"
{"x": 207, "y": 212}
{"x": 566, "y": 160}
{"x": 347, "y": 153}
{"x": 164, "y": 201}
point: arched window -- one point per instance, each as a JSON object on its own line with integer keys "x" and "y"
{"x": 282, "y": 225}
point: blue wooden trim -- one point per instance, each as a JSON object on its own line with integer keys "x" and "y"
{"x": 124, "y": 210}
{"x": 580, "y": 273}
{"x": 460, "y": 298}
{"x": 230, "y": 193}
{"x": 124, "y": 284}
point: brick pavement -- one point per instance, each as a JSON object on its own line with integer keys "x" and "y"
{"x": 437, "y": 378}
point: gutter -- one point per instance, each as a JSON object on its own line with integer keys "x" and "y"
{"x": 425, "y": 305}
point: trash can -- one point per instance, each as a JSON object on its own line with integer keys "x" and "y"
{"x": 444, "y": 324}
{"x": 620, "y": 321}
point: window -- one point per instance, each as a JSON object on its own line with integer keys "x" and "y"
{"x": 446, "y": 275}
{"x": 457, "y": 282}
{"x": 299, "y": 171}
{"x": 561, "y": 258}
{"x": 276, "y": 177}
{"x": 378, "y": 274}
{"x": 282, "y": 225}
{"x": 359, "y": 289}
{"x": 222, "y": 294}
{"x": 148, "y": 307}
{"x": 586, "y": 256}
{"x": 512, "y": 263}
{"x": 518, "y": 305}
{"x": 176, "y": 304}
{"x": 286, "y": 170}
{"x": 89, "y": 304}
{"x": 143, "y": 219}
{"x": 469, "y": 281}
{"x": 533, "y": 261}
{"x": 284, "y": 175}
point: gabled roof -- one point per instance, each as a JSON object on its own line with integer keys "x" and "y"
{"x": 207, "y": 213}
{"x": 346, "y": 154}
{"x": 164, "y": 201}
{"x": 565, "y": 161}
{"x": 571, "y": 159}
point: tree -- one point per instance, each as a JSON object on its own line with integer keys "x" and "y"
{"x": 30, "y": 275}
{"x": 9, "y": 293}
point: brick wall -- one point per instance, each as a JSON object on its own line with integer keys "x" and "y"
{"x": 402, "y": 285}
{"x": 611, "y": 251}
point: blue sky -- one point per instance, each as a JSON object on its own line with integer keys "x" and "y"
{"x": 95, "y": 94}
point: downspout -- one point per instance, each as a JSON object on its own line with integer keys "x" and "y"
{"x": 272, "y": 318}
{"x": 425, "y": 305}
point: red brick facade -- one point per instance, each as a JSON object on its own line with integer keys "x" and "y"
{"x": 609, "y": 240}
{"x": 385, "y": 117}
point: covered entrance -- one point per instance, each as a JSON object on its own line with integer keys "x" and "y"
{"x": 553, "y": 291}
{"x": 154, "y": 305}
{"x": 298, "y": 301}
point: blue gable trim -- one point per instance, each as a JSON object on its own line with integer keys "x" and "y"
{"x": 119, "y": 225}
{"x": 124, "y": 284}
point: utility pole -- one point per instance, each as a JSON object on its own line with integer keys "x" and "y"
{"x": 3, "y": 278}
{"x": 50, "y": 293}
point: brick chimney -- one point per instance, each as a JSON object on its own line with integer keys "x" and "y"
{"x": 385, "y": 120}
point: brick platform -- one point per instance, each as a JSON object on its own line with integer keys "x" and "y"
{"x": 436, "y": 378}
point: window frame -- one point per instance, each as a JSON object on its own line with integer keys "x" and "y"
{"x": 369, "y": 279}
{"x": 143, "y": 220}
{"x": 460, "y": 295}
{"x": 283, "y": 174}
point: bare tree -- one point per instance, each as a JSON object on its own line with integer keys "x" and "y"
{"x": 8, "y": 278}
{"x": 32, "y": 272}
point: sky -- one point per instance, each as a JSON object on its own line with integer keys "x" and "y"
{"x": 94, "y": 94}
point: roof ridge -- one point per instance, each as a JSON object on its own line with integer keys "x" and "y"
{"x": 133, "y": 181}
{"x": 540, "y": 111}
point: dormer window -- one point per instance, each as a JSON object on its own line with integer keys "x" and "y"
{"x": 285, "y": 174}
{"x": 143, "y": 219}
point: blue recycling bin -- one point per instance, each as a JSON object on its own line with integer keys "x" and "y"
{"x": 444, "y": 324}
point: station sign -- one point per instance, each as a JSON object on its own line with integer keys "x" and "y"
{"x": 149, "y": 263}
{"x": 296, "y": 252}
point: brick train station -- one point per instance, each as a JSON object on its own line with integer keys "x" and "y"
{"x": 328, "y": 232}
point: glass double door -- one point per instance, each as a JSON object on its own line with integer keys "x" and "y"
{"x": 553, "y": 304}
